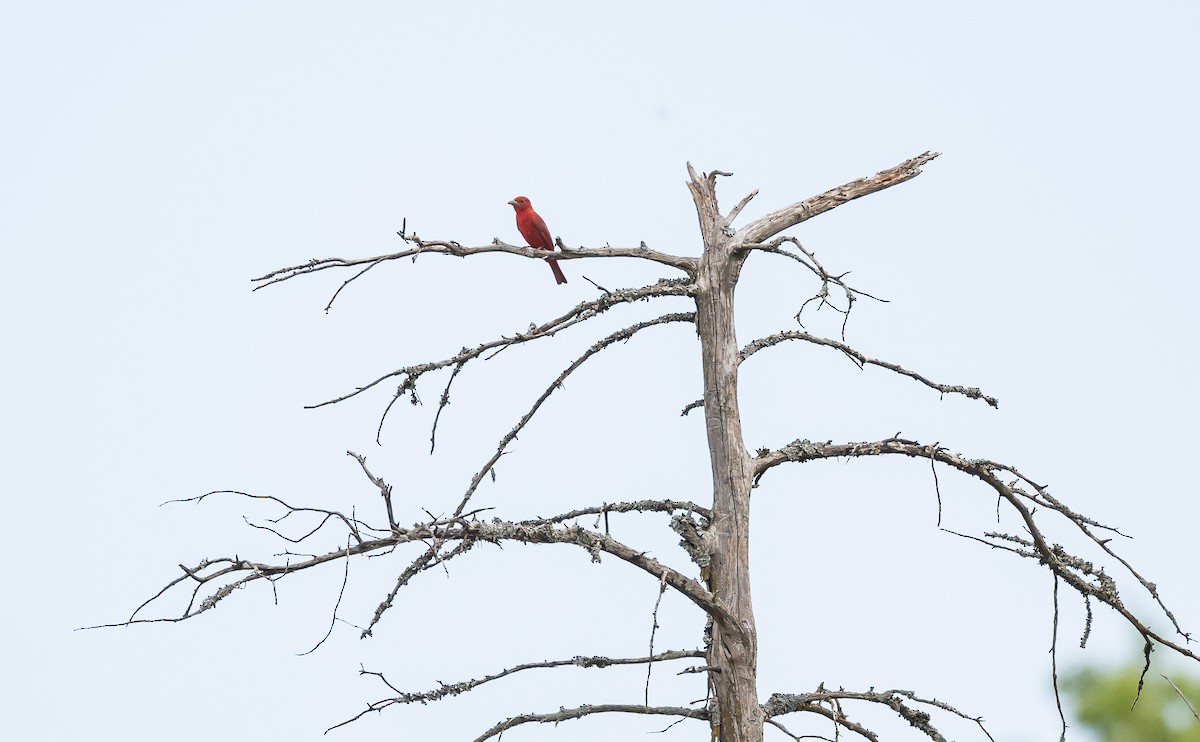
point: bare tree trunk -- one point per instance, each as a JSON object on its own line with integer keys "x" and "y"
{"x": 733, "y": 650}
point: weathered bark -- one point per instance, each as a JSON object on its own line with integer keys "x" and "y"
{"x": 736, "y": 714}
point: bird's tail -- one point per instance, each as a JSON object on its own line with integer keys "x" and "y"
{"x": 558, "y": 274}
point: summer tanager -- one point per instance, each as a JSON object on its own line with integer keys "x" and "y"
{"x": 535, "y": 232}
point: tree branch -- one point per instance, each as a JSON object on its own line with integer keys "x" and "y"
{"x": 435, "y": 535}
{"x": 765, "y": 227}
{"x": 445, "y": 690}
{"x": 641, "y": 506}
{"x": 861, "y": 361}
{"x": 618, "y": 336}
{"x": 733, "y": 213}
{"x": 785, "y": 703}
{"x": 449, "y": 247}
{"x": 595, "y": 543}
{"x": 1070, "y": 568}
{"x": 582, "y": 711}
{"x": 580, "y": 313}
{"x": 809, "y": 261}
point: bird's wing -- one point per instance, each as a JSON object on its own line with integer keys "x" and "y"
{"x": 534, "y": 230}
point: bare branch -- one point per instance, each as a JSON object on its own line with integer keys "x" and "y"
{"x": 765, "y": 227}
{"x": 662, "y": 588}
{"x": 445, "y": 690}
{"x": 595, "y": 543}
{"x": 618, "y": 336}
{"x": 786, "y": 703}
{"x": 435, "y": 535}
{"x": 861, "y": 361}
{"x": 1072, "y": 569}
{"x": 449, "y": 247}
{"x": 778, "y": 725}
{"x": 580, "y": 313}
{"x": 809, "y": 261}
{"x": 347, "y": 282}
{"x": 641, "y": 506}
{"x": 834, "y": 713}
{"x": 1183, "y": 697}
{"x": 443, "y": 402}
{"x": 1062, "y": 717}
{"x": 385, "y": 489}
{"x": 733, "y": 214}
{"x": 432, "y": 557}
{"x": 582, "y": 711}
{"x": 352, "y": 524}
{"x": 341, "y": 593}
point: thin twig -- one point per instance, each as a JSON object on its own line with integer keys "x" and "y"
{"x": 341, "y": 592}
{"x": 1183, "y": 697}
{"x": 662, "y": 588}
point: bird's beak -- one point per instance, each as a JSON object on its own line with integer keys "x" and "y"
{"x": 512, "y": 203}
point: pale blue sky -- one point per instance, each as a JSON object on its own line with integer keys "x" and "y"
{"x": 156, "y": 156}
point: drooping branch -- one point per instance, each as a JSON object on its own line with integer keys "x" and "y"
{"x": 445, "y": 690}
{"x": 1073, "y": 570}
{"x": 861, "y": 361}
{"x": 766, "y": 227}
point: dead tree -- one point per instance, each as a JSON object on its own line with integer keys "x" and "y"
{"x": 715, "y": 536}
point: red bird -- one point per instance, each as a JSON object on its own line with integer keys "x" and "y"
{"x": 535, "y": 232}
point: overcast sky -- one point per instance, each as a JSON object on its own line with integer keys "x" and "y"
{"x": 154, "y": 157}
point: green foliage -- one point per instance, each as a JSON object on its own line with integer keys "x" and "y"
{"x": 1102, "y": 700}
